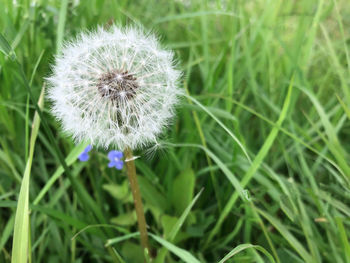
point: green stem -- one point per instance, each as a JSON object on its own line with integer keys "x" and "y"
{"x": 131, "y": 171}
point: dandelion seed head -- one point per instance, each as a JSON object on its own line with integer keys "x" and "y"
{"x": 114, "y": 88}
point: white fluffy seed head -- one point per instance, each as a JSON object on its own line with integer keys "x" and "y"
{"x": 114, "y": 88}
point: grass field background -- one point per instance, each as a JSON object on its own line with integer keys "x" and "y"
{"x": 255, "y": 165}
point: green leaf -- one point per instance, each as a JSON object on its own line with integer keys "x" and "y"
{"x": 287, "y": 207}
{"x": 168, "y": 222}
{"x": 151, "y": 195}
{"x": 126, "y": 219}
{"x": 182, "y": 190}
{"x": 171, "y": 233}
{"x": 183, "y": 217}
{"x": 132, "y": 252}
{"x": 120, "y": 192}
{"x": 175, "y": 227}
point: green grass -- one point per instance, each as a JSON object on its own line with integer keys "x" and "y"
{"x": 255, "y": 167}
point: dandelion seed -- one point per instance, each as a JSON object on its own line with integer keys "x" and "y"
{"x": 115, "y": 159}
{"x": 114, "y": 88}
{"x": 84, "y": 156}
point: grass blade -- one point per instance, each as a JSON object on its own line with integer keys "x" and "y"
{"x": 183, "y": 217}
{"x": 71, "y": 158}
{"x": 61, "y": 24}
{"x": 333, "y": 142}
{"x": 21, "y": 227}
{"x": 345, "y": 108}
{"x": 242, "y": 247}
{"x": 256, "y": 163}
{"x": 6, "y": 48}
{"x": 221, "y": 124}
{"x": 181, "y": 253}
{"x": 344, "y": 238}
{"x": 162, "y": 253}
{"x": 288, "y": 236}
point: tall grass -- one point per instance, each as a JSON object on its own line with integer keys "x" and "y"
{"x": 255, "y": 168}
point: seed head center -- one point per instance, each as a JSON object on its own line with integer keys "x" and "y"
{"x": 117, "y": 85}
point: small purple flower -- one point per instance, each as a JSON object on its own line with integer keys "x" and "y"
{"x": 84, "y": 156}
{"x": 115, "y": 159}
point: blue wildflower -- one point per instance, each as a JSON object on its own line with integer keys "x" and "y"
{"x": 84, "y": 156}
{"x": 115, "y": 159}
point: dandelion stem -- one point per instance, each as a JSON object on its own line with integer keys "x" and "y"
{"x": 131, "y": 171}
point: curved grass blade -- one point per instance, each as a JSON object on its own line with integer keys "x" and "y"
{"x": 221, "y": 124}
{"x": 121, "y": 238}
{"x": 230, "y": 176}
{"x": 242, "y": 247}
